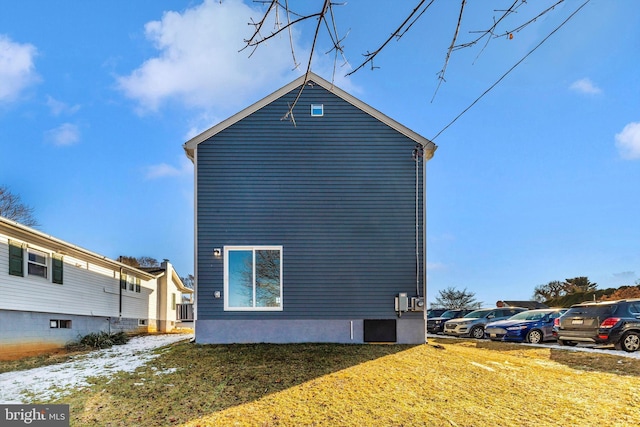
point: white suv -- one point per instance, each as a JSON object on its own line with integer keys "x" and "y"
{"x": 472, "y": 324}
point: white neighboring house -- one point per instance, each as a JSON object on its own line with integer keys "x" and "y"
{"x": 53, "y": 292}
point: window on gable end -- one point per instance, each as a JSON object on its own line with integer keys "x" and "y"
{"x": 317, "y": 110}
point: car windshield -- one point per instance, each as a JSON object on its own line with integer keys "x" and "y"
{"x": 478, "y": 314}
{"x": 530, "y": 315}
{"x": 449, "y": 314}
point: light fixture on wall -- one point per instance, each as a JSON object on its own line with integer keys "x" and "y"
{"x": 217, "y": 252}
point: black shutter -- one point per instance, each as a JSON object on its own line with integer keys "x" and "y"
{"x": 123, "y": 281}
{"x": 16, "y": 259}
{"x": 56, "y": 270}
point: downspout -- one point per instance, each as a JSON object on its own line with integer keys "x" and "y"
{"x": 428, "y": 154}
{"x": 194, "y": 159}
{"x": 417, "y": 159}
{"x": 424, "y": 240}
{"x": 120, "y": 295}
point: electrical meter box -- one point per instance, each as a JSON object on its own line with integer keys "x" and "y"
{"x": 402, "y": 302}
{"x": 417, "y": 304}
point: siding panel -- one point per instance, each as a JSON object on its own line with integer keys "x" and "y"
{"x": 337, "y": 192}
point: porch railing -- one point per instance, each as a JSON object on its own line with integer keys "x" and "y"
{"x": 184, "y": 312}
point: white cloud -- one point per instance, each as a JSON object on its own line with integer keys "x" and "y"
{"x": 17, "y": 69}
{"x": 198, "y": 62}
{"x": 628, "y": 141}
{"x": 63, "y": 135}
{"x": 200, "y": 123}
{"x": 585, "y": 86}
{"x": 58, "y": 107}
{"x": 163, "y": 170}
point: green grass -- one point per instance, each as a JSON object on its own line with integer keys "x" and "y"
{"x": 444, "y": 383}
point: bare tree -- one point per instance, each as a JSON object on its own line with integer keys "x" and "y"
{"x": 11, "y": 207}
{"x": 189, "y": 281}
{"x": 552, "y": 290}
{"x": 452, "y": 299}
{"x": 285, "y": 17}
{"x": 142, "y": 261}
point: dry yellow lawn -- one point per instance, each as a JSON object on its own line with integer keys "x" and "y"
{"x": 452, "y": 384}
{"x": 445, "y": 383}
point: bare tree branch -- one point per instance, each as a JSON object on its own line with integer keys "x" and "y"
{"x": 325, "y": 7}
{"x": 490, "y": 31}
{"x": 326, "y": 13}
{"x": 453, "y": 43}
{"x": 511, "y": 69}
{"x": 11, "y": 207}
{"x": 290, "y": 28}
{"x": 396, "y": 34}
{"x": 521, "y": 27}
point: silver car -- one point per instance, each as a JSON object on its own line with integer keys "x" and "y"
{"x": 472, "y": 324}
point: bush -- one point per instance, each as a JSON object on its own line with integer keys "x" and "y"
{"x": 98, "y": 340}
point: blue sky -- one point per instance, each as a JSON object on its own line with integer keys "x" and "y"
{"x": 539, "y": 181}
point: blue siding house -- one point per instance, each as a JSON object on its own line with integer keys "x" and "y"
{"x": 311, "y": 229}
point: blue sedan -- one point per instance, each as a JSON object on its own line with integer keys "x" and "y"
{"x": 533, "y": 326}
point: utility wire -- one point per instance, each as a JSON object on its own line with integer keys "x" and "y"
{"x": 510, "y": 70}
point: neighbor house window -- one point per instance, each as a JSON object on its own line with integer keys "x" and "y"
{"x": 60, "y": 324}
{"x": 253, "y": 278}
{"x": 129, "y": 282}
{"x": 37, "y": 263}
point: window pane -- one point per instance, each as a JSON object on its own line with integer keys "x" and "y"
{"x": 267, "y": 278}
{"x": 37, "y": 270}
{"x": 241, "y": 278}
{"x": 38, "y": 258}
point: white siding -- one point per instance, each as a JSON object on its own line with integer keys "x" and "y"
{"x": 87, "y": 289}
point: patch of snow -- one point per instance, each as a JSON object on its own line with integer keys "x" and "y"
{"x": 53, "y": 381}
{"x": 580, "y": 347}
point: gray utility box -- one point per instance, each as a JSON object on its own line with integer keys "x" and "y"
{"x": 402, "y": 302}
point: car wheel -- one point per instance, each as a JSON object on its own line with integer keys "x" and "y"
{"x": 630, "y": 341}
{"x": 534, "y": 336}
{"x": 568, "y": 343}
{"x": 477, "y": 332}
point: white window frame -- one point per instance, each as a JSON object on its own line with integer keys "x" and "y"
{"x": 227, "y": 249}
{"x": 133, "y": 284}
{"x": 43, "y": 254}
{"x": 60, "y": 324}
{"x": 317, "y": 110}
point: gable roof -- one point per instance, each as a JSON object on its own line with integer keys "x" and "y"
{"x": 161, "y": 271}
{"x": 310, "y": 78}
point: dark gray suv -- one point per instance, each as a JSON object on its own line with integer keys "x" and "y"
{"x": 603, "y": 323}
